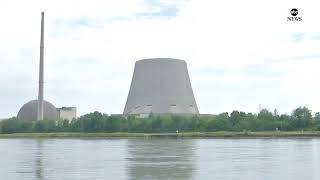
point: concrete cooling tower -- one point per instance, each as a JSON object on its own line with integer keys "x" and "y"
{"x": 161, "y": 86}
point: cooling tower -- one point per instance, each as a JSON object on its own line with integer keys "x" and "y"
{"x": 161, "y": 86}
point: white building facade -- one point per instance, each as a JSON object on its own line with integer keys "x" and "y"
{"x": 68, "y": 113}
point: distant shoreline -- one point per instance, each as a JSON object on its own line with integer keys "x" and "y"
{"x": 220, "y": 134}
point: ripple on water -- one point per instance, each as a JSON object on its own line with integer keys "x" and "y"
{"x": 138, "y": 158}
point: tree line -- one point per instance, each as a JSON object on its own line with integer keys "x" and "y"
{"x": 300, "y": 119}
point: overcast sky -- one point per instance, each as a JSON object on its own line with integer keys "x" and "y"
{"x": 239, "y": 53}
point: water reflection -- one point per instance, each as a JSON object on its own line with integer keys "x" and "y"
{"x": 223, "y": 159}
{"x": 242, "y": 159}
{"x": 160, "y": 158}
{"x": 46, "y": 159}
{"x": 38, "y": 159}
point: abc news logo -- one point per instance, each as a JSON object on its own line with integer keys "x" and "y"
{"x": 294, "y": 12}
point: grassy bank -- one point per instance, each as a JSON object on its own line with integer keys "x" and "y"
{"x": 220, "y": 134}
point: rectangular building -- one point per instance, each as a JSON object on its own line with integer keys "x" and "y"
{"x": 67, "y": 113}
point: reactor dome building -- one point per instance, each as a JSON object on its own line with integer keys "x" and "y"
{"x": 29, "y": 111}
{"x": 160, "y": 86}
{"x": 39, "y": 109}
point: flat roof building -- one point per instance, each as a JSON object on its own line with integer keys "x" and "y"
{"x": 68, "y": 113}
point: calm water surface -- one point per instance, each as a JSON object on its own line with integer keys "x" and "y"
{"x": 221, "y": 159}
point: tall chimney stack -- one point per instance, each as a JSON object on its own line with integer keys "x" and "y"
{"x": 40, "y": 93}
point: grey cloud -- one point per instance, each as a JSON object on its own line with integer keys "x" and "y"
{"x": 316, "y": 37}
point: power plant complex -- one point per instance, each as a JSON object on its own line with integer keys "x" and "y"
{"x": 40, "y": 109}
{"x": 159, "y": 85}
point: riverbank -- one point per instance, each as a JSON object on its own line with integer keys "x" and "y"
{"x": 220, "y": 134}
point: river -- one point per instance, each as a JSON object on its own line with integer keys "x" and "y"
{"x": 160, "y": 158}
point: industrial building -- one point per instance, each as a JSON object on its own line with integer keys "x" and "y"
{"x": 68, "y": 113}
{"x": 160, "y": 86}
{"x": 40, "y": 109}
{"x": 29, "y": 111}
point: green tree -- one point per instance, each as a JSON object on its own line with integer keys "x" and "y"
{"x": 92, "y": 122}
{"x": 302, "y": 117}
{"x": 235, "y": 117}
{"x": 166, "y": 124}
{"x": 14, "y": 125}
{"x": 45, "y": 126}
{"x": 317, "y": 116}
{"x": 266, "y": 115}
{"x": 63, "y": 125}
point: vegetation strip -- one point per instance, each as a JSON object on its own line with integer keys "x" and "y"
{"x": 222, "y": 134}
{"x": 300, "y": 120}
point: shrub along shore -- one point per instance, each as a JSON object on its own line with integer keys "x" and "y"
{"x": 300, "y": 122}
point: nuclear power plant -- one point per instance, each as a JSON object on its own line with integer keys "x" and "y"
{"x": 40, "y": 109}
{"x": 160, "y": 86}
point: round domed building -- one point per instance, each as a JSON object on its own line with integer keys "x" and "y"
{"x": 39, "y": 109}
{"x": 29, "y": 111}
